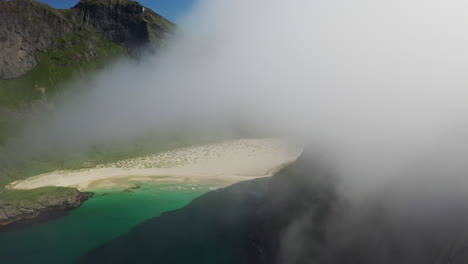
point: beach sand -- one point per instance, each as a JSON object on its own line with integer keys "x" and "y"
{"x": 223, "y": 164}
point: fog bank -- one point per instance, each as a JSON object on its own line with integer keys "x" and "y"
{"x": 372, "y": 82}
{"x": 377, "y": 87}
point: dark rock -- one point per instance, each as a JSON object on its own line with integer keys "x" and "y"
{"x": 20, "y": 214}
{"x": 132, "y": 189}
{"x": 122, "y": 21}
{"x": 28, "y": 27}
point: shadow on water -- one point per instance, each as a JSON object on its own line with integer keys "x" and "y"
{"x": 235, "y": 225}
{"x": 102, "y": 218}
{"x": 298, "y": 217}
{"x": 209, "y": 230}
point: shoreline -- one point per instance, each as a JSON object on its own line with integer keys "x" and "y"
{"x": 14, "y": 218}
{"x": 223, "y": 163}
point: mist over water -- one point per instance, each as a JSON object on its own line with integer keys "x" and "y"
{"x": 377, "y": 87}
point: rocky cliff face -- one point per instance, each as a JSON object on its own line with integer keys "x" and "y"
{"x": 28, "y": 28}
{"x": 124, "y": 22}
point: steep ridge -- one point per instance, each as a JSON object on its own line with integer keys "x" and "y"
{"x": 42, "y": 48}
{"x": 124, "y": 22}
{"x": 29, "y": 27}
{"x": 26, "y": 28}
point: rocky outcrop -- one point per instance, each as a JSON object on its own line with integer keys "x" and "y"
{"x": 122, "y": 21}
{"x": 28, "y": 27}
{"x": 41, "y": 207}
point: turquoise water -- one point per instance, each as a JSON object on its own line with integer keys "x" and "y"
{"x": 107, "y": 215}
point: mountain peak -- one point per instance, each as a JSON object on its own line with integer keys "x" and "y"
{"x": 107, "y": 2}
{"x": 123, "y": 21}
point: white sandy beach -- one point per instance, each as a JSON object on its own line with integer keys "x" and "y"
{"x": 223, "y": 163}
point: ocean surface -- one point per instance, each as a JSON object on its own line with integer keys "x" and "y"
{"x": 109, "y": 214}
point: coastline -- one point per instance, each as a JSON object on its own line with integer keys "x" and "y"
{"x": 47, "y": 208}
{"x": 224, "y": 163}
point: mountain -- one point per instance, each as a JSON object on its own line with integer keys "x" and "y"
{"x": 125, "y": 22}
{"x": 42, "y": 47}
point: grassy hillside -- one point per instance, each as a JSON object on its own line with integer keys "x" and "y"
{"x": 12, "y": 169}
{"x": 20, "y": 198}
{"x": 56, "y": 68}
{"x": 56, "y": 47}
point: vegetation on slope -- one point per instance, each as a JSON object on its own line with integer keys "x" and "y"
{"x": 19, "y": 198}
{"x": 18, "y": 206}
{"x": 57, "y": 67}
{"x": 12, "y": 169}
{"x": 54, "y": 46}
{"x": 57, "y": 46}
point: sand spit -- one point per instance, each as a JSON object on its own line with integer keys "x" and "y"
{"x": 223, "y": 163}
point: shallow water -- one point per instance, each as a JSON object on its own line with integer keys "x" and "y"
{"x": 109, "y": 214}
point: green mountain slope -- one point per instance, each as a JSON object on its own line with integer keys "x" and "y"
{"x": 41, "y": 47}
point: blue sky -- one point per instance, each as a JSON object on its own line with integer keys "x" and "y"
{"x": 171, "y": 9}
